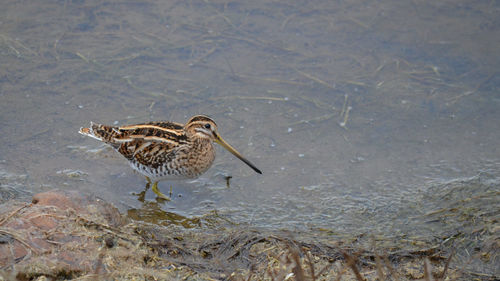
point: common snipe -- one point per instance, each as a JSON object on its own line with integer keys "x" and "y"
{"x": 166, "y": 150}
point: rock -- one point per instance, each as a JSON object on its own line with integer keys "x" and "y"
{"x": 52, "y": 233}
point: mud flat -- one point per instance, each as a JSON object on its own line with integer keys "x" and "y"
{"x": 60, "y": 236}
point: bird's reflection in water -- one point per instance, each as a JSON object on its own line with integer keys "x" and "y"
{"x": 152, "y": 212}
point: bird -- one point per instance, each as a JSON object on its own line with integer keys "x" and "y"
{"x": 165, "y": 150}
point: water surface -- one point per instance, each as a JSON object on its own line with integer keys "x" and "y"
{"x": 361, "y": 115}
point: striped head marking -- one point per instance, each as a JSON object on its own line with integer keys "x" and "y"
{"x": 204, "y": 127}
{"x": 201, "y": 126}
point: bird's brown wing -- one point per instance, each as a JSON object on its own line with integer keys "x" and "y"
{"x": 147, "y": 143}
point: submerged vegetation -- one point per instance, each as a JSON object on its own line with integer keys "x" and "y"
{"x": 61, "y": 236}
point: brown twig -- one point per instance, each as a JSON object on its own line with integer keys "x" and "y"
{"x": 14, "y": 213}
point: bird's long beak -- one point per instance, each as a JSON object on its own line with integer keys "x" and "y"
{"x": 226, "y": 145}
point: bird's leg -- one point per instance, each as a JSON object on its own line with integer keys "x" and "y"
{"x": 141, "y": 195}
{"x": 161, "y": 195}
{"x": 227, "y": 181}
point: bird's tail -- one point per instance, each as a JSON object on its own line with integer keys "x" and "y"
{"x": 107, "y": 134}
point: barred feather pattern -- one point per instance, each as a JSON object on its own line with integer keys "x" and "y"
{"x": 158, "y": 150}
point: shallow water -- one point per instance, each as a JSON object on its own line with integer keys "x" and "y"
{"x": 358, "y": 114}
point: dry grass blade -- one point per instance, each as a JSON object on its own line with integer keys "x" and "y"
{"x": 297, "y": 269}
{"x": 443, "y": 275}
{"x": 324, "y": 269}
{"x": 341, "y": 273}
{"x": 251, "y": 272}
{"x": 380, "y": 271}
{"x": 473, "y": 91}
{"x": 310, "y": 264}
{"x": 351, "y": 262}
{"x": 313, "y": 78}
{"x": 390, "y": 268}
{"x": 267, "y": 79}
{"x": 19, "y": 239}
{"x": 13, "y": 213}
{"x": 427, "y": 270}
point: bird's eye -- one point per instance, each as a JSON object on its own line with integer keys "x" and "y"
{"x": 207, "y": 126}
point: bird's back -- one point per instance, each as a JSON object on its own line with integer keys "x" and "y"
{"x": 158, "y": 150}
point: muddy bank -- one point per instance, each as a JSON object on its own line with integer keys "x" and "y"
{"x": 63, "y": 236}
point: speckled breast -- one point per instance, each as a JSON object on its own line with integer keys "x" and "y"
{"x": 185, "y": 164}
